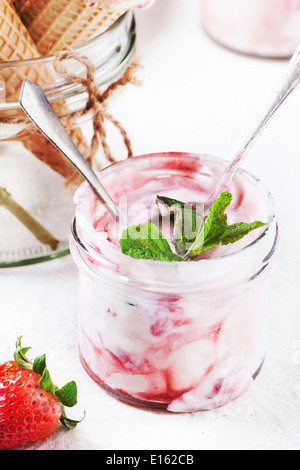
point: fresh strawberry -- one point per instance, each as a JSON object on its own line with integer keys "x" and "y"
{"x": 30, "y": 404}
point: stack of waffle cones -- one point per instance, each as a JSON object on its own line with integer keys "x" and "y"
{"x": 55, "y": 25}
{"x": 34, "y": 28}
{"x": 16, "y": 44}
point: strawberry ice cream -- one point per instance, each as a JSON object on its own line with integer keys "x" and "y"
{"x": 258, "y": 27}
{"x": 176, "y": 336}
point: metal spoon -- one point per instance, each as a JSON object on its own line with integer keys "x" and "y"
{"x": 289, "y": 84}
{"x": 35, "y": 104}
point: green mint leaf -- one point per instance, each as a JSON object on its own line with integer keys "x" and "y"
{"x": 145, "y": 241}
{"x": 67, "y": 395}
{"x": 169, "y": 202}
{"x": 237, "y": 231}
{"x": 191, "y": 237}
{"x": 216, "y": 229}
{"x": 216, "y": 222}
{"x": 188, "y": 222}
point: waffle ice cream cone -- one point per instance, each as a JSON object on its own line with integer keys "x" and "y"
{"x": 56, "y": 25}
{"x": 15, "y": 45}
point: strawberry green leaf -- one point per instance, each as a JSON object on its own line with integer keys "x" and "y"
{"x": 46, "y": 382}
{"x": 67, "y": 395}
{"x": 69, "y": 423}
{"x": 20, "y": 356}
{"x": 39, "y": 364}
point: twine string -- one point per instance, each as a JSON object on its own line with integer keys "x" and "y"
{"x": 96, "y": 104}
{"x": 97, "y": 101}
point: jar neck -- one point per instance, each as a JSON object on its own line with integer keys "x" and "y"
{"x": 206, "y": 277}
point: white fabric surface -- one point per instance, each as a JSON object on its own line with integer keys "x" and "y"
{"x": 196, "y": 96}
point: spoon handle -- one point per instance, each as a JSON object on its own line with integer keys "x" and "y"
{"x": 289, "y": 84}
{"x": 35, "y": 104}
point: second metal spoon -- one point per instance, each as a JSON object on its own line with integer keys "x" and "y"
{"x": 289, "y": 84}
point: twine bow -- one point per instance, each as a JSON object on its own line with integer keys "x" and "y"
{"x": 34, "y": 141}
{"x": 97, "y": 102}
{"x": 96, "y": 105}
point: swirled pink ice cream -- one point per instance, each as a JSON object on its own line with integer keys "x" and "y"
{"x": 260, "y": 27}
{"x": 177, "y": 336}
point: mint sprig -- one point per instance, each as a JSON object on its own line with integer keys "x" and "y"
{"x": 192, "y": 236}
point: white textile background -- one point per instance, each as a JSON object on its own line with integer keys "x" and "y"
{"x": 198, "y": 97}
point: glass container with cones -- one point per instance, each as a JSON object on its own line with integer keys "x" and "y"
{"x": 36, "y": 182}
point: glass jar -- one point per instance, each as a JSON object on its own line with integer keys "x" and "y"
{"x": 36, "y": 199}
{"x": 174, "y": 336}
{"x": 266, "y": 28}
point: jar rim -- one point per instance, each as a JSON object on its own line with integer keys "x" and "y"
{"x": 87, "y": 247}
